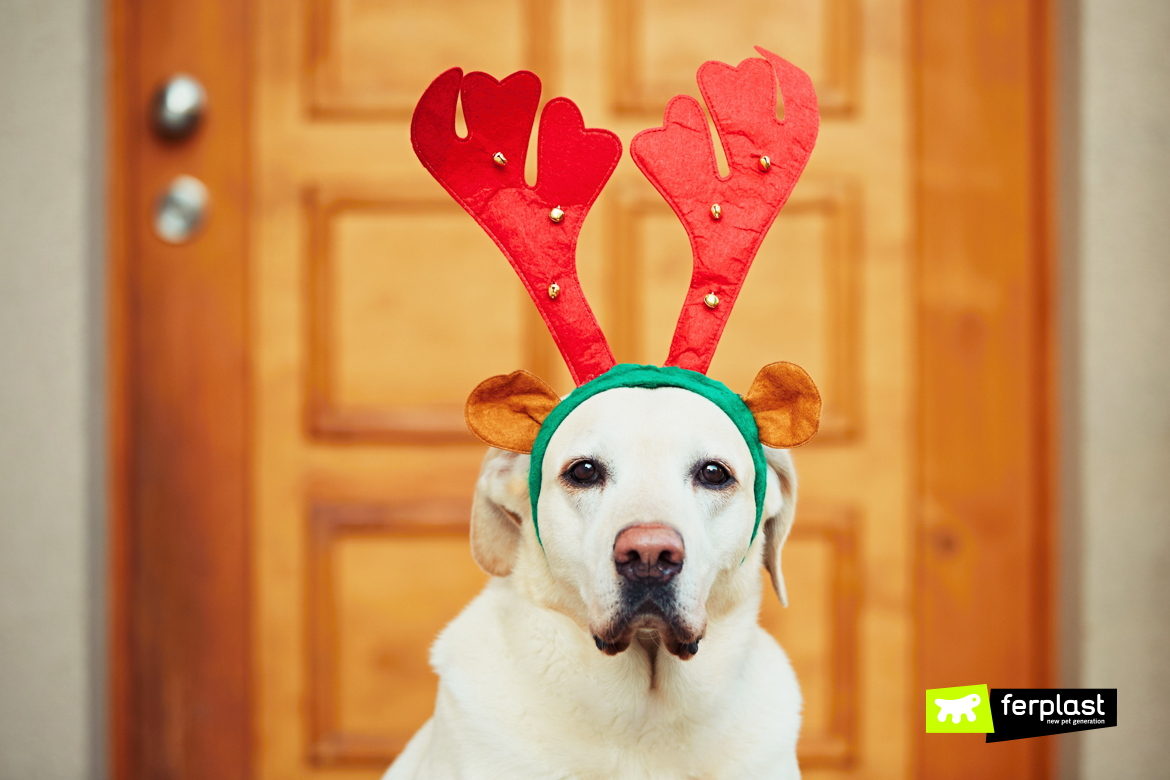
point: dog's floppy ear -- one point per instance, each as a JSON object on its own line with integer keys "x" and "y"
{"x": 779, "y": 512}
{"x": 786, "y": 405}
{"x": 507, "y": 411}
{"x": 498, "y": 508}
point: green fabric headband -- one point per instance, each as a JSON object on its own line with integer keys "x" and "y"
{"x": 634, "y": 375}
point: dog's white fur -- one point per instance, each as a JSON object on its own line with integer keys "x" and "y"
{"x": 524, "y": 691}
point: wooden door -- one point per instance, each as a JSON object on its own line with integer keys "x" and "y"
{"x": 342, "y": 306}
{"x": 379, "y": 304}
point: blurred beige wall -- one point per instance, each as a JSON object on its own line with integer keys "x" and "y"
{"x": 50, "y": 410}
{"x": 1116, "y": 187}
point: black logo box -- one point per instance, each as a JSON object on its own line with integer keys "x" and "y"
{"x": 1019, "y": 713}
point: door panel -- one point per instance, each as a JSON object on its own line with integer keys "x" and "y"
{"x": 800, "y": 304}
{"x": 395, "y": 280}
{"x": 655, "y": 43}
{"x": 372, "y": 60}
{"x": 369, "y": 603}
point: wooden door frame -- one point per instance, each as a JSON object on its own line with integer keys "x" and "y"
{"x": 179, "y": 420}
{"x": 983, "y": 90}
{"x": 181, "y": 667}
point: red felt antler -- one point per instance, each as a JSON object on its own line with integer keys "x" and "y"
{"x": 535, "y": 227}
{"x": 765, "y": 157}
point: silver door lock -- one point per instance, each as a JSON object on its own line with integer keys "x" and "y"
{"x": 178, "y": 106}
{"x": 181, "y": 210}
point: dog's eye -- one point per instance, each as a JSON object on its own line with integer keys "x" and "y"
{"x": 584, "y": 472}
{"x": 713, "y": 474}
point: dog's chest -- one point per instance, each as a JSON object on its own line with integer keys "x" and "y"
{"x": 540, "y": 700}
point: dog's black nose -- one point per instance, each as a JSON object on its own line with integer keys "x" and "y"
{"x": 649, "y": 554}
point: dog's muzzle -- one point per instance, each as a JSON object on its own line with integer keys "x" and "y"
{"x": 648, "y": 557}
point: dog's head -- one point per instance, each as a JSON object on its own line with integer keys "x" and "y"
{"x": 647, "y": 503}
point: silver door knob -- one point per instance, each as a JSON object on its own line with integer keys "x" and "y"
{"x": 180, "y": 210}
{"x": 178, "y": 106}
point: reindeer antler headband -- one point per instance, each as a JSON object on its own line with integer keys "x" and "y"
{"x": 537, "y": 227}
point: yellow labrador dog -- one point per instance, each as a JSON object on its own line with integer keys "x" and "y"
{"x": 628, "y": 645}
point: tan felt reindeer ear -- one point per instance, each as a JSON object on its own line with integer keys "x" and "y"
{"x": 507, "y": 411}
{"x": 786, "y": 404}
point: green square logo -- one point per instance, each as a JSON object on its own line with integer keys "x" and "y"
{"x": 961, "y": 710}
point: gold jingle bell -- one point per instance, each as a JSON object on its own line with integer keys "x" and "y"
{"x": 554, "y": 290}
{"x": 499, "y": 159}
{"x": 716, "y": 211}
{"x": 711, "y": 299}
{"x": 765, "y": 164}
{"x": 556, "y": 215}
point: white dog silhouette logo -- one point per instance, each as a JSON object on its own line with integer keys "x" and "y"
{"x": 957, "y": 708}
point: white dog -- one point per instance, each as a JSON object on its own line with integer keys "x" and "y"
{"x": 628, "y": 645}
